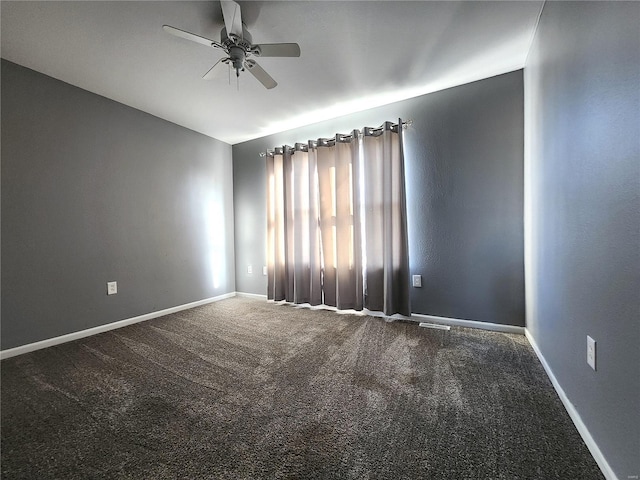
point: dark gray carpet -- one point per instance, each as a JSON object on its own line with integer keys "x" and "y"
{"x": 243, "y": 389}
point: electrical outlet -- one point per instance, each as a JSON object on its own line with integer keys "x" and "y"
{"x": 112, "y": 288}
{"x": 264, "y": 270}
{"x": 591, "y": 352}
{"x": 249, "y": 269}
{"x": 417, "y": 280}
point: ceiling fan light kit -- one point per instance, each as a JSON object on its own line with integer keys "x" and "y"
{"x": 236, "y": 42}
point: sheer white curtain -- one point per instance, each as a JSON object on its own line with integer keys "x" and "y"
{"x": 336, "y": 222}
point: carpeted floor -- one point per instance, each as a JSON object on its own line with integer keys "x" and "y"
{"x": 243, "y": 389}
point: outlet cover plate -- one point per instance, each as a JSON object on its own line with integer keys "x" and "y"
{"x": 249, "y": 269}
{"x": 112, "y": 288}
{"x": 591, "y": 352}
{"x": 417, "y": 280}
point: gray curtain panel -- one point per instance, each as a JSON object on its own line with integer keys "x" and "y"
{"x": 275, "y": 228}
{"x": 340, "y": 224}
{"x": 386, "y": 279}
{"x": 307, "y": 258}
{"x": 336, "y": 222}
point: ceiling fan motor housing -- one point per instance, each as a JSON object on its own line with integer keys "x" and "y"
{"x": 244, "y": 42}
{"x": 238, "y": 48}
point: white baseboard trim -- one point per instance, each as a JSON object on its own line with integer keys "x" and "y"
{"x": 50, "y": 342}
{"x": 456, "y": 322}
{"x": 415, "y": 317}
{"x": 597, "y": 454}
{"x": 251, "y": 295}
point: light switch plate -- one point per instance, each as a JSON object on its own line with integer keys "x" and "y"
{"x": 112, "y": 288}
{"x": 264, "y": 270}
{"x": 249, "y": 269}
{"x": 591, "y": 352}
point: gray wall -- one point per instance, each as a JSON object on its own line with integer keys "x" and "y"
{"x": 464, "y": 168}
{"x": 582, "y": 90}
{"x": 94, "y": 191}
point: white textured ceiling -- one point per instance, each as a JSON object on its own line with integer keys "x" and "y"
{"x": 355, "y": 55}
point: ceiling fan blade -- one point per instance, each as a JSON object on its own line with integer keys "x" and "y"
{"x": 216, "y": 70}
{"x": 278, "y": 49}
{"x": 232, "y": 18}
{"x": 191, "y": 36}
{"x": 257, "y": 71}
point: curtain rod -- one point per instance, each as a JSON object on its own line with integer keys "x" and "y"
{"x": 405, "y": 124}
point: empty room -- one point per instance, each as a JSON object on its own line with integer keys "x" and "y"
{"x": 320, "y": 239}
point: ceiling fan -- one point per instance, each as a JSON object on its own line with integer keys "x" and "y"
{"x": 235, "y": 41}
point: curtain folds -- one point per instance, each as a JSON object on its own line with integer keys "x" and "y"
{"x": 336, "y": 222}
